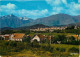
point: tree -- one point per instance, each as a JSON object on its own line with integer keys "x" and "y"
{"x": 70, "y": 27}
{"x": 7, "y": 32}
{"x": 35, "y": 44}
{"x": 73, "y": 49}
{"x": 35, "y": 41}
{"x": 1, "y": 38}
{"x": 71, "y": 38}
{"x": 12, "y": 43}
{"x": 78, "y": 32}
{"x": 46, "y": 40}
{"x": 27, "y": 39}
{"x": 61, "y": 38}
{"x": 60, "y": 49}
{"x": 47, "y": 48}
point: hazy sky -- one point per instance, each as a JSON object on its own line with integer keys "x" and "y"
{"x": 39, "y": 8}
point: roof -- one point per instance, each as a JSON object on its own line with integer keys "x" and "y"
{"x": 6, "y": 36}
{"x": 18, "y": 35}
{"x": 76, "y": 36}
{"x": 42, "y": 37}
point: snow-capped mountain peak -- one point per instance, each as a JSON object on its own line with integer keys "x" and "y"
{"x": 20, "y": 18}
{"x": 25, "y": 18}
{"x": 13, "y": 21}
{"x": 10, "y": 15}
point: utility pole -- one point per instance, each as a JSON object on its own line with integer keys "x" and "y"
{"x": 78, "y": 33}
{"x": 50, "y": 39}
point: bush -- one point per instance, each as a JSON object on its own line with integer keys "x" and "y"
{"x": 27, "y": 39}
{"x": 57, "y": 48}
{"x": 35, "y": 44}
{"x": 1, "y": 38}
{"x": 61, "y": 38}
{"x": 48, "y": 48}
{"x": 73, "y": 49}
{"x": 61, "y": 49}
{"x": 13, "y": 43}
{"x": 71, "y": 38}
{"x": 74, "y": 42}
{"x": 6, "y": 43}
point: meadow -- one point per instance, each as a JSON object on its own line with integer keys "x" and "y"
{"x": 22, "y": 49}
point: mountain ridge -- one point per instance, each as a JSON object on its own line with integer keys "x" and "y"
{"x": 53, "y": 20}
{"x": 13, "y": 21}
{"x": 58, "y": 19}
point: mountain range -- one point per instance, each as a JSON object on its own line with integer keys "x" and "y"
{"x": 53, "y": 20}
{"x": 13, "y": 21}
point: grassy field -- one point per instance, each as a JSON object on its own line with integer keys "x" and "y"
{"x": 41, "y": 53}
{"x": 32, "y": 33}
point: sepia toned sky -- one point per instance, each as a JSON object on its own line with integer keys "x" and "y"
{"x": 39, "y": 8}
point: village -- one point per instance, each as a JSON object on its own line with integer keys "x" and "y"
{"x": 50, "y": 29}
{"x": 37, "y": 41}
{"x": 38, "y": 37}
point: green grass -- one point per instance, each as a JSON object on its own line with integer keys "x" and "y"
{"x": 42, "y": 53}
{"x": 63, "y": 46}
{"x": 32, "y": 33}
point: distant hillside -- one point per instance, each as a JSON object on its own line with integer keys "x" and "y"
{"x": 74, "y": 24}
{"x": 6, "y": 28}
{"x": 54, "y": 20}
{"x": 38, "y": 26}
{"x": 33, "y": 26}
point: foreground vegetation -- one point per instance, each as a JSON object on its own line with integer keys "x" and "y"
{"x": 35, "y": 49}
{"x": 66, "y": 48}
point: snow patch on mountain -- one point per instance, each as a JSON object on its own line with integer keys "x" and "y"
{"x": 25, "y": 18}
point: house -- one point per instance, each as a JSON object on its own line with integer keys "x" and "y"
{"x": 17, "y": 36}
{"x": 13, "y": 37}
{"x": 6, "y": 36}
{"x": 76, "y": 36}
{"x": 41, "y": 38}
{"x": 36, "y": 37}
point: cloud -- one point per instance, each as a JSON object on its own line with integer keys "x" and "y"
{"x": 56, "y": 2}
{"x": 32, "y": 13}
{"x": 9, "y": 6}
{"x": 64, "y": 1}
{"x": 57, "y": 10}
{"x": 58, "y": 6}
{"x": 79, "y": 1}
{"x": 63, "y": 6}
{"x": 73, "y": 9}
{"x": 13, "y": 9}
